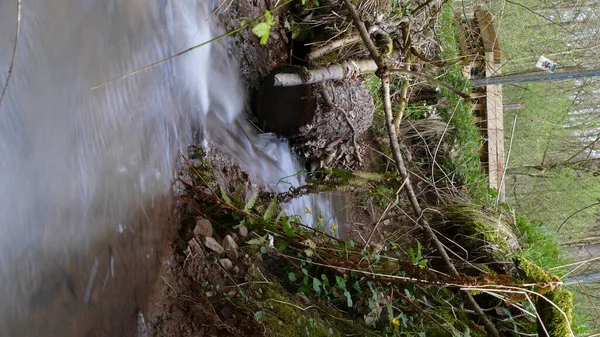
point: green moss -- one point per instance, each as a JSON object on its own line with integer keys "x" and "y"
{"x": 533, "y": 272}
{"x": 555, "y": 322}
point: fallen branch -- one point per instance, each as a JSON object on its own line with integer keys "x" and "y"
{"x": 338, "y": 71}
{"x": 350, "y": 69}
{"x": 408, "y": 188}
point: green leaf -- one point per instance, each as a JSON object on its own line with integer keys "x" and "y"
{"x": 288, "y": 228}
{"x": 263, "y": 250}
{"x": 269, "y": 19}
{"x": 292, "y": 276}
{"x": 270, "y": 210}
{"x": 341, "y": 283}
{"x": 225, "y": 196}
{"x": 281, "y": 245}
{"x": 251, "y": 201}
{"x": 262, "y": 30}
{"x": 316, "y": 285}
{"x": 257, "y": 241}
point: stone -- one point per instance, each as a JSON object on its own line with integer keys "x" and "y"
{"x": 243, "y": 231}
{"x": 226, "y": 263}
{"x": 213, "y": 245}
{"x": 203, "y": 228}
{"x": 236, "y": 270}
{"x": 230, "y": 247}
{"x": 195, "y": 248}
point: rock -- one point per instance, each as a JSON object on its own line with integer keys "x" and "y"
{"x": 226, "y": 263}
{"x": 213, "y": 245}
{"x": 243, "y": 231}
{"x": 230, "y": 247}
{"x": 234, "y": 236}
{"x": 195, "y": 248}
{"x": 203, "y": 228}
{"x": 236, "y": 270}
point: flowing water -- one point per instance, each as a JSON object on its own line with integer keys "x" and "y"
{"x": 87, "y": 153}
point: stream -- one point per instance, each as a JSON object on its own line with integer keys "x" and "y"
{"x": 93, "y": 120}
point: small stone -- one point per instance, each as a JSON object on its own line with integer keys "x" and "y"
{"x": 243, "y": 231}
{"x": 209, "y": 294}
{"x": 233, "y": 292}
{"x": 195, "y": 248}
{"x": 203, "y": 228}
{"x": 236, "y": 269}
{"x": 230, "y": 247}
{"x": 234, "y": 236}
{"x": 226, "y": 263}
{"x": 213, "y": 245}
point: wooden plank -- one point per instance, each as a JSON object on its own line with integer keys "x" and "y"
{"x": 495, "y": 127}
{"x": 488, "y": 33}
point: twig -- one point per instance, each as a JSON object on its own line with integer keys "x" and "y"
{"x": 439, "y": 64}
{"x": 385, "y": 89}
{"x": 432, "y": 80}
{"x": 421, "y": 7}
{"x": 14, "y": 55}
{"x": 390, "y": 205}
{"x": 572, "y": 215}
{"x": 333, "y": 45}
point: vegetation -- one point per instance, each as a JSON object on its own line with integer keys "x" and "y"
{"x": 306, "y": 282}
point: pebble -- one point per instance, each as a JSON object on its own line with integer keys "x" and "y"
{"x": 203, "y": 228}
{"x": 195, "y": 247}
{"x": 226, "y": 263}
{"x": 213, "y": 245}
{"x": 230, "y": 247}
{"x": 243, "y": 231}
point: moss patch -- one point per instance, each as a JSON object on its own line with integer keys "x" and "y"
{"x": 555, "y": 322}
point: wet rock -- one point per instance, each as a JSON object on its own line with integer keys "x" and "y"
{"x": 243, "y": 231}
{"x": 230, "y": 247}
{"x": 227, "y": 264}
{"x": 213, "y": 245}
{"x": 203, "y": 228}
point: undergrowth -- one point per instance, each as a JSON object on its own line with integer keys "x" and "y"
{"x": 319, "y": 285}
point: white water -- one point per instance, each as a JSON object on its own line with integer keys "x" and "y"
{"x": 78, "y": 161}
